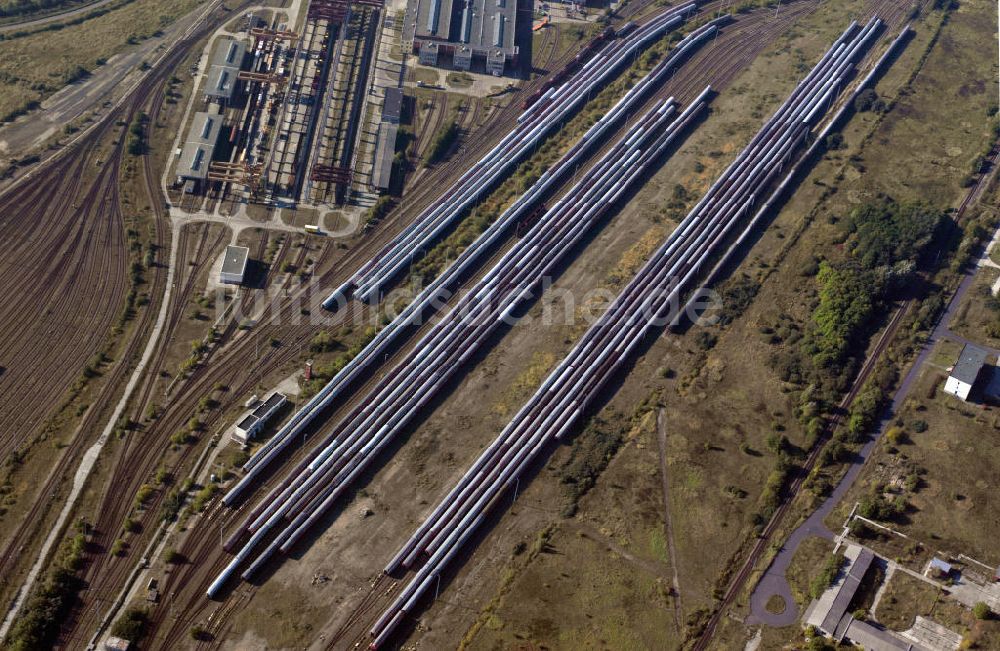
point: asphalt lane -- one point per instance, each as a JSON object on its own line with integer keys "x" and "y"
{"x": 773, "y": 582}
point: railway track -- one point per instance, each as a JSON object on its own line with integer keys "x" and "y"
{"x": 96, "y": 201}
{"x": 62, "y": 179}
{"x": 144, "y": 397}
{"x": 38, "y": 318}
{"x": 432, "y": 124}
{"x": 576, "y": 383}
{"x": 236, "y": 356}
{"x": 193, "y": 594}
{"x": 548, "y": 47}
{"x": 762, "y": 543}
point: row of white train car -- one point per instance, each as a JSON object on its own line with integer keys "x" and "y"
{"x": 357, "y": 439}
{"x": 534, "y": 125}
{"x": 472, "y": 256}
{"x": 647, "y": 303}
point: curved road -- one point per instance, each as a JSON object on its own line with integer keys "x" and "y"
{"x": 773, "y": 582}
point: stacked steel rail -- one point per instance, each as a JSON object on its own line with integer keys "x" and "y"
{"x": 473, "y": 255}
{"x": 359, "y": 438}
{"x": 645, "y": 303}
{"x": 534, "y": 125}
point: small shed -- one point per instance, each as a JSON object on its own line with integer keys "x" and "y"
{"x": 234, "y": 266}
{"x": 966, "y": 371}
{"x": 116, "y": 644}
{"x": 941, "y": 568}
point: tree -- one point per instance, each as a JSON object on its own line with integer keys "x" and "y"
{"x": 981, "y": 610}
{"x": 132, "y": 625}
{"x": 845, "y": 305}
{"x": 865, "y": 100}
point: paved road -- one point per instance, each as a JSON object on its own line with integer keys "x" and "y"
{"x": 774, "y": 583}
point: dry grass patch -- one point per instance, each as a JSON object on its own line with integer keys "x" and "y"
{"x": 34, "y": 67}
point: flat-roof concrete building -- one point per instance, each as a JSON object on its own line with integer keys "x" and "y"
{"x": 827, "y": 612}
{"x": 227, "y": 59}
{"x": 385, "y": 152}
{"x": 464, "y": 30}
{"x": 200, "y": 146}
{"x": 234, "y": 265}
{"x": 966, "y": 371}
{"x": 252, "y": 421}
{"x": 392, "y": 106}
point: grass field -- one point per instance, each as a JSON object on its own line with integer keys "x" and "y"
{"x": 978, "y": 316}
{"x": 35, "y": 66}
{"x": 906, "y": 597}
{"x": 950, "y": 443}
{"x": 724, "y": 402}
{"x": 19, "y": 11}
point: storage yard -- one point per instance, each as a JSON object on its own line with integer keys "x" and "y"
{"x": 249, "y": 418}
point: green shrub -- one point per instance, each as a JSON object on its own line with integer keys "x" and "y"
{"x": 826, "y": 577}
{"x": 442, "y": 142}
{"x": 131, "y": 625}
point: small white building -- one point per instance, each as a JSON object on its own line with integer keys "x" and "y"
{"x": 234, "y": 266}
{"x": 116, "y": 644}
{"x": 252, "y": 421}
{"x": 966, "y": 371}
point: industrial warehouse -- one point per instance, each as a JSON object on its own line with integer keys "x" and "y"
{"x": 290, "y": 107}
{"x": 493, "y": 324}
{"x": 461, "y": 33}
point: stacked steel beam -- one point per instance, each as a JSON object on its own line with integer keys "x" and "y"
{"x": 359, "y": 438}
{"x": 472, "y": 256}
{"x": 535, "y": 124}
{"x": 645, "y": 303}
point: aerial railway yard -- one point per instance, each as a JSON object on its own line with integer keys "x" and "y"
{"x": 292, "y": 144}
{"x": 65, "y": 187}
{"x": 230, "y": 522}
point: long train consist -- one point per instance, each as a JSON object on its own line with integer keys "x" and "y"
{"x": 473, "y": 255}
{"x": 357, "y": 440}
{"x": 646, "y": 303}
{"x": 554, "y": 107}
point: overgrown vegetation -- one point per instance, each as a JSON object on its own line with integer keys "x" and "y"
{"x": 442, "y": 142}
{"x": 378, "y": 210}
{"x": 826, "y": 576}
{"x": 137, "y": 134}
{"x": 131, "y": 625}
{"x": 50, "y": 603}
{"x": 878, "y": 506}
{"x": 884, "y": 242}
{"x": 323, "y": 373}
{"x": 591, "y": 452}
